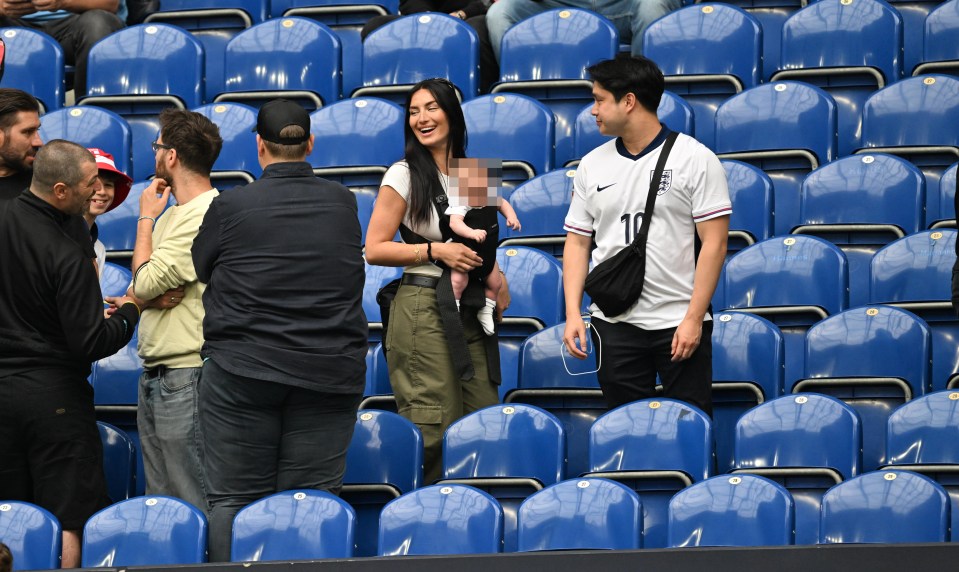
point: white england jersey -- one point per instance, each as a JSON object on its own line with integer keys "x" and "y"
{"x": 609, "y": 197}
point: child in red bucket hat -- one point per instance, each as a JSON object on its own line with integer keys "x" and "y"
{"x": 114, "y": 188}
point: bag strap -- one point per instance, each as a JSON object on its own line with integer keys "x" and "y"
{"x": 654, "y": 190}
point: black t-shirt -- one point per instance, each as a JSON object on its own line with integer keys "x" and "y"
{"x": 12, "y": 186}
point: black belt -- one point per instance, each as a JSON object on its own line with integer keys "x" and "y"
{"x": 419, "y": 280}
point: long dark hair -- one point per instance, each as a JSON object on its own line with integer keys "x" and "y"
{"x": 425, "y": 183}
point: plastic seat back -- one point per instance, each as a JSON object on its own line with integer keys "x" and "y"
{"x": 740, "y": 510}
{"x": 849, "y": 49}
{"x": 536, "y": 290}
{"x": 684, "y": 43}
{"x": 541, "y": 205}
{"x": 294, "y": 525}
{"x": 885, "y": 507}
{"x": 752, "y": 193}
{"x": 939, "y": 51}
{"x": 947, "y": 200}
{"x": 301, "y": 62}
{"x": 581, "y": 514}
{"x": 141, "y": 531}
{"x": 787, "y": 129}
{"x": 237, "y": 163}
{"x": 32, "y": 534}
{"x": 417, "y": 47}
{"x": 119, "y": 462}
{"x": 33, "y": 62}
{"x": 441, "y": 519}
{"x": 874, "y": 358}
{"x": 93, "y": 128}
{"x": 512, "y": 127}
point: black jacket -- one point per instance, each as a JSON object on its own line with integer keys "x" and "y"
{"x": 51, "y": 308}
{"x": 283, "y": 264}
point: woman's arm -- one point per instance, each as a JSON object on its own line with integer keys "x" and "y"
{"x": 381, "y": 250}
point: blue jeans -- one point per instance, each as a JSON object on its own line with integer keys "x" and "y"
{"x": 631, "y": 17}
{"x": 166, "y": 414}
{"x": 257, "y": 438}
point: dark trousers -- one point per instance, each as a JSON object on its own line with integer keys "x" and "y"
{"x": 76, "y": 34}
{"x": 256, "y": 438}
{"x": 630, "y": 358}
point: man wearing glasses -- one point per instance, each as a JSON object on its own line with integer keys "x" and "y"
{"x": 170, "y": 334}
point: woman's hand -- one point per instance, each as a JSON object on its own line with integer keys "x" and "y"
{"x": 456, "y": 256}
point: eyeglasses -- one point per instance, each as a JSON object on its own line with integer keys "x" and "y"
{"x": 157, "y": 146}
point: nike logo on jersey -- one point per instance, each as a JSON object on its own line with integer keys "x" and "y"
{"x": 601, "y": 189}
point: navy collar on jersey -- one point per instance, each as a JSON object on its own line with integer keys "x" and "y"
{"x": 656, "y": 142}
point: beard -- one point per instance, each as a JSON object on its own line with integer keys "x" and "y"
{"x": 162, "y": 173}
{"x": 16, "y": 161}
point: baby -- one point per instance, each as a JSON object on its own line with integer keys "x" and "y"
{"x": 472, "y": 189}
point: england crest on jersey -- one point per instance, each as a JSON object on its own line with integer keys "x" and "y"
{"x": 665, "y": 181}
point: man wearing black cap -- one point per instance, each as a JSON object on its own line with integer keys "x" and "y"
{"x": 285, "y": 333}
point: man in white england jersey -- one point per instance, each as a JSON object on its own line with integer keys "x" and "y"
{"x": 667, "y": 331}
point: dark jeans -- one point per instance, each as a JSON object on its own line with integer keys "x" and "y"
{"x": 631, "y": 357}
{"x": 256, "y": 438}
{"x": 76, "y": 34}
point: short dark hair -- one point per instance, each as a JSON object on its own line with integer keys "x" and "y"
{"x": 631, "y": 74}
{"x": 196, "y": 139}
{"x": 296, "y": 152}
{"x": 59, "y": 161}
{"x": 14, "y": 100}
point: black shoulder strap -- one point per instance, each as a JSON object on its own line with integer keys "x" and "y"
{"x": 640, "y": 237}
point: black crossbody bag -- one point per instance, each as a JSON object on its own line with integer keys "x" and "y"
{"x": 616, "y": 284}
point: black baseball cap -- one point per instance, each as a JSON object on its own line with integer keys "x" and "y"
{"x": 278, "y": 114}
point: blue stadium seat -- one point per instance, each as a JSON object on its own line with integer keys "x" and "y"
{"x": 509, "y": 451}
{"x": 861, "y": 203}
{"x": 377, "y": 374}
{"x": 940, "y": 53}
{"x": 119, "y": 462}
{"x": 794, "y": 282}
{"x": 906, "y": 119}
{"x": 915, "y": 273}
{"x": 885, "y": 507}
{"x": 921, "y": 437}
{"x": 512, "y": 127}
{"x": 873, "y": 358}
{"x": 541, "y": 205}
{"x": 673, "y": 111}
{"x": 294, "y": 525}
{"x": 384, "y": 461}
{"x": 237, "y": 164}
{"x": 536, "y": 289}
{"x": 119, "y": 226}
{"x": 546, "y": 55}
{"x": 91, "y": 127}
{"x": 656, "y": 447}
{"x": 914, "y": 14}
{"x": 114, "y": 279}
{"x": 376, "y": 278}
{"x": 142, "y": 531}
{"x": 787, "y": 129}
{"x": 441, "y": 519}
{"x": 748, "y": 368}
{"x": 947, "y": 200}
{"x": 740, "y": 510}
{"x": 32, "y": 534}
{"x": 214, "y": 23}
{"x": 807, "y": 443}
{"x": 33, "y": 62}
{"x": 346, "y": 18}
{"x": 771, "y": 14}
{"x": 139, "y": 71}
{"x": 356, "y": 141}
{"x": 848, "y": 49}
{"x": 751, "y": 192}
{"x": 581, "y": 514}
{"x": 562, "y": 385}
{"x": 417, "y": 47}
{"x": 301, "y": 63}
{"x": 684, "y": 43}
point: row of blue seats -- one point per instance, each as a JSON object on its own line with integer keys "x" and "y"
{"x": 578, "y": 514}
{"x": 659, "y": 448}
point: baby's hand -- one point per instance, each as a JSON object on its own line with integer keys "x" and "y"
{"x": 478, "y": 235}
{"x": 513, "y": 223}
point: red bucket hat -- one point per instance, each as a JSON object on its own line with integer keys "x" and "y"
{"x": 123, "y": 182}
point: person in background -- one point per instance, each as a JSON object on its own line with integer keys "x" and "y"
{"x": 114, "y": 188}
